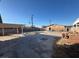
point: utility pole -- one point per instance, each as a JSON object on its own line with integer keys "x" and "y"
{"x": 32, "y": 20}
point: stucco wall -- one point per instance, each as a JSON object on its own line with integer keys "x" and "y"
{"x": 56, "y": 28}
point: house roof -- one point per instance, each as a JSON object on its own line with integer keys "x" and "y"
{"x": 6, "y": 25}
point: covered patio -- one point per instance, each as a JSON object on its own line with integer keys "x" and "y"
{"x": 7, "y": 29}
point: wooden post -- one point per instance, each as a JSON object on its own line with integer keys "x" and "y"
{"x": 22, "y": 30}
{"x": 17, "y": 31}
{"x": 3, "y": 32}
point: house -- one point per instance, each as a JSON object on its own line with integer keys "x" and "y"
{"x": 55, "y": 27}
{"x": 76, "y": 25}
{"x": 6, "y": 28}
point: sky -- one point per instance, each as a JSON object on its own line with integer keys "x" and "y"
{"x": 62, "y": 12}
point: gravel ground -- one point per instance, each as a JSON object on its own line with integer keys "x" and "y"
{"x": 34, "y": 45}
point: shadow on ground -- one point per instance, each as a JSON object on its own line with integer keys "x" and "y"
{"x": 66, "y": 51}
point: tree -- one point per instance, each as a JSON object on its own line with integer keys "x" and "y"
{"x": 0, "y": 19}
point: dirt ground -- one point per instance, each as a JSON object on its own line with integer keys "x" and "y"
{"x": 73, "y": 39}
{"x": 67, "y": 47}
{"x": 30, "y": 45}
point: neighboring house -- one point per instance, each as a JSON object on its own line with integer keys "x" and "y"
{"x": 7, "y": 29}
{"x": 76, "y": 25}
{"x": 44, "y": 28}
{"x": 55, "y": 27}
{"x": 68, "y": 27}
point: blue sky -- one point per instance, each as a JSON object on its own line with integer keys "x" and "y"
{"x": 59, "y": 11}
